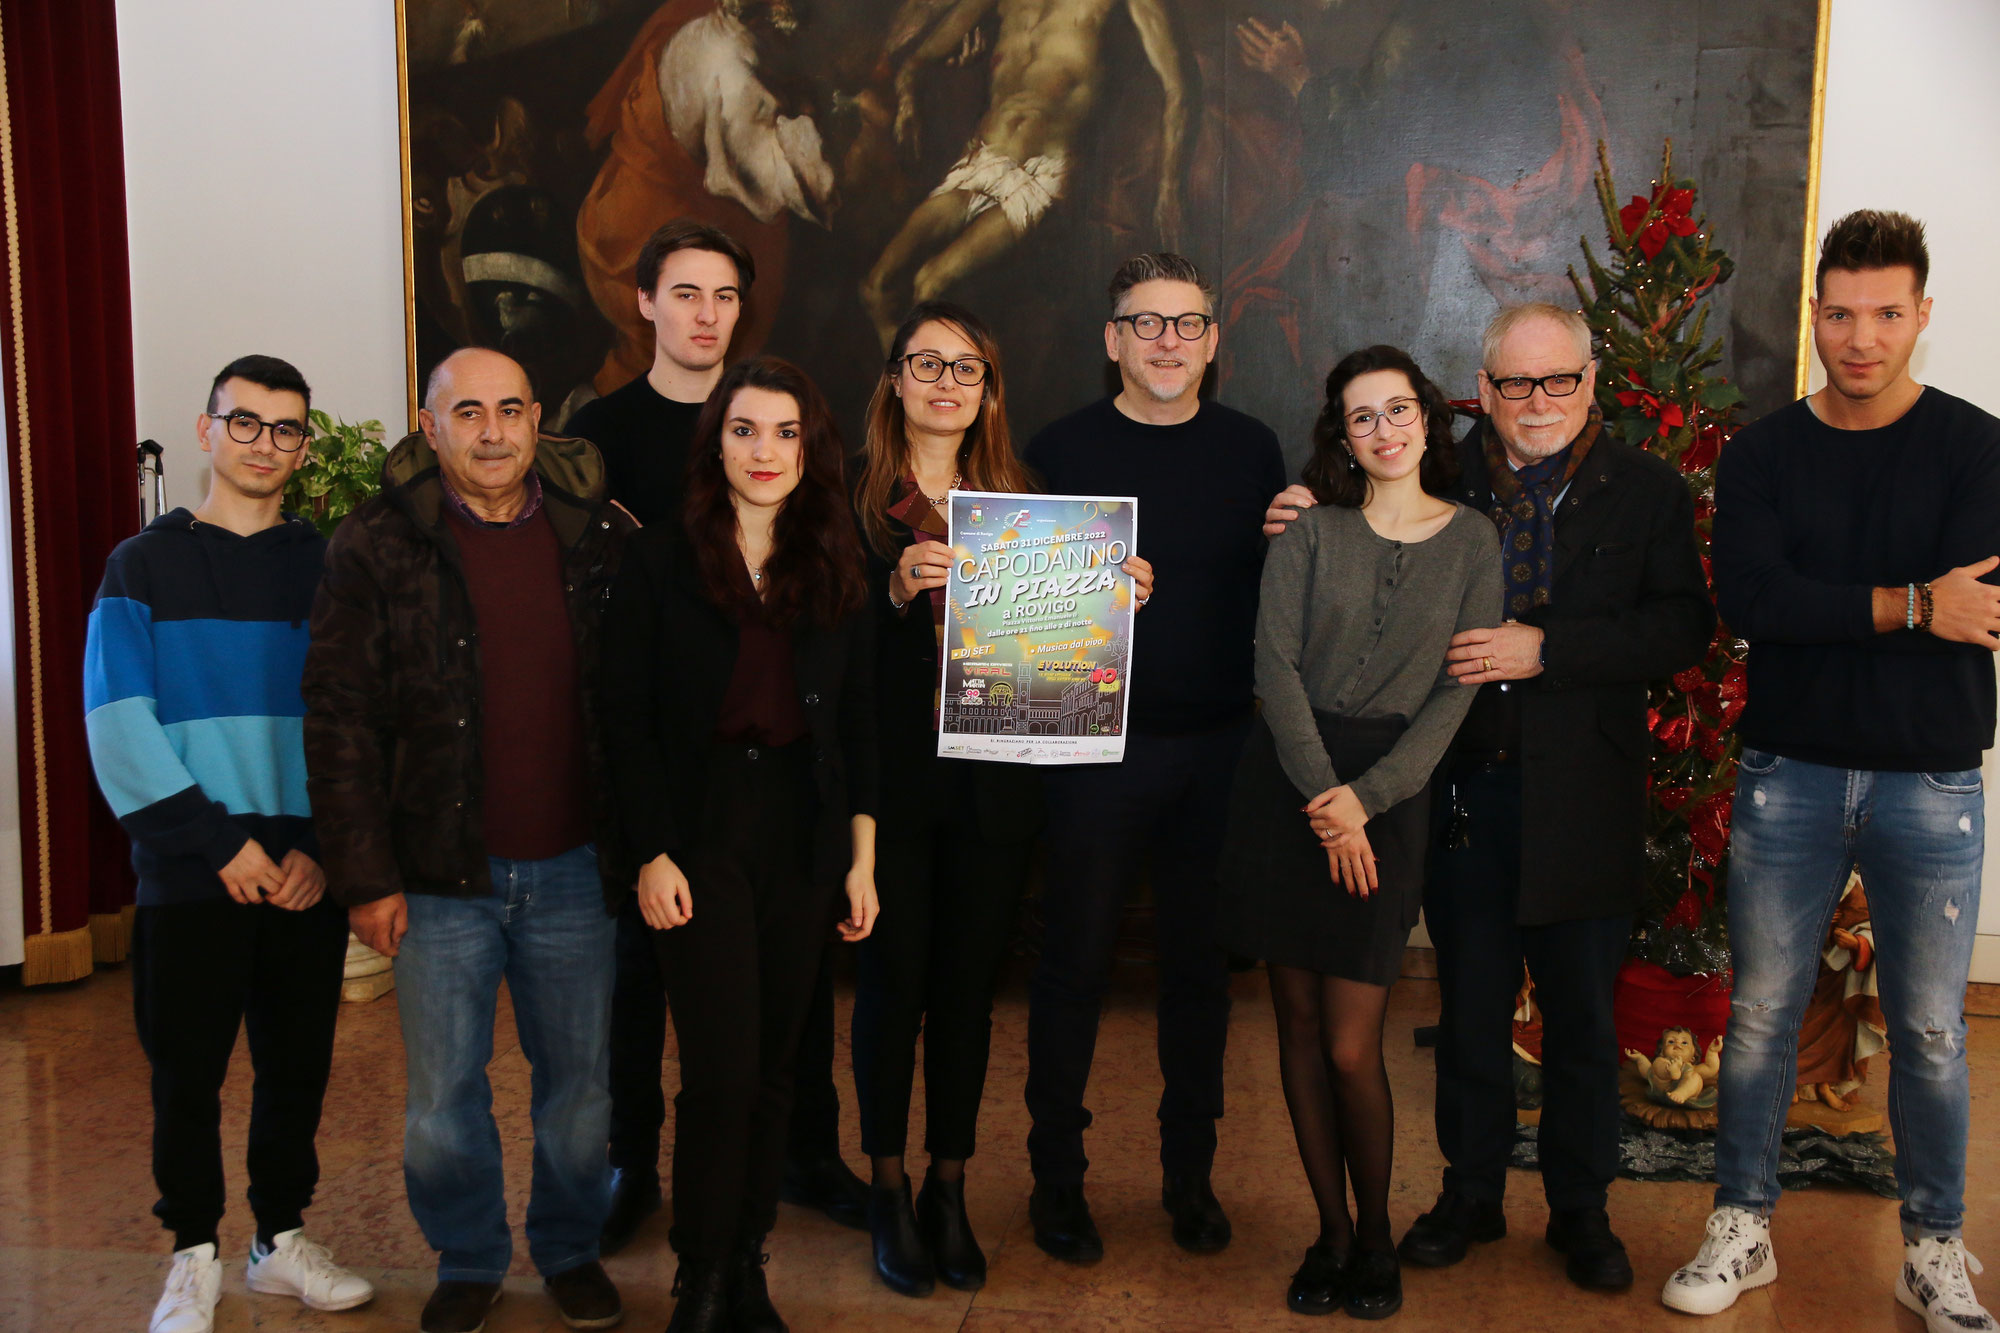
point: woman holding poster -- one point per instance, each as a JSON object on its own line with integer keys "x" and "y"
{"x": 955, "y": 834}
{"x": 1323, "y": 876}
{"x": 738, "y": 666}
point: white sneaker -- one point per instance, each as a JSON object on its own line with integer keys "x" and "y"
{"x": 193, "y": 1284}
{"x": 298, "y": 1267}
{"x": 1734, "y": 1257}
{"x": 1935, "y": 1284}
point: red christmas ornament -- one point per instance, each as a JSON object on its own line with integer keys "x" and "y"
{"x": 1708, "y": 826}
{"x": 1677, "y": 733}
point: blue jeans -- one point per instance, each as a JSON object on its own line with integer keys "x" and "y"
{"x": 544, "y": 929}
{"x": 1918, "y": 840}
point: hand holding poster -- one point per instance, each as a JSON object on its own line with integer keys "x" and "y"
{"x": 1038, "y": 628}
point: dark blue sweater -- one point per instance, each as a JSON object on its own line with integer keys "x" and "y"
{"x": 1202, "y": 488}
{"x": 1809, "y": 521}
{"x": 191, "y": 673}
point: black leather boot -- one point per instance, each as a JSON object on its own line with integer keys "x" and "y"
{"x": 900, "y": 1256}
{"x": 1063, "y": 1225}
{"x": 750, "y": 1305}
{"x": 701, "y": 1298}
{"x": 961, "y": 1264}
{"x": 1200, "y": 1225}
{"x": 1438, "y": 1239}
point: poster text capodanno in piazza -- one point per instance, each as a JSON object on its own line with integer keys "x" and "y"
{"x": 1038, "y": 628}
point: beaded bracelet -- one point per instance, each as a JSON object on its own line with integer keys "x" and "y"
{"x": 1924, "y": 616}
{"x": 1909, "y": 607}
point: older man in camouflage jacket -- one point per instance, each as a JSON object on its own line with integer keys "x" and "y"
{"x": 452, "y": 746}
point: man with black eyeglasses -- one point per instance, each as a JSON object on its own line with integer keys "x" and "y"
{"x": 1541, "y": 824}
{"x": 192, "y": 665}
{"x": 1201, "y": 473}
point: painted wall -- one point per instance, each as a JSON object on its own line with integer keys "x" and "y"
{"x": 295, "y": 104}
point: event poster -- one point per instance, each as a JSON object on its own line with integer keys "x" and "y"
{"x": 1038, "y": 628}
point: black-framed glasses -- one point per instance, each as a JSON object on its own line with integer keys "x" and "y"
{"x": 967, "y": 370}
{"x": 1560, "y": 385}
{"x": 1363, "y": 421}
{"x": 1150, "y": 324}
{"x": 245, "y": 427}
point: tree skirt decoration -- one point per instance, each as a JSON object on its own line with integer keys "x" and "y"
{"x": 1807, "y": 1159}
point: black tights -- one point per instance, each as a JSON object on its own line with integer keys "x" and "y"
{"x": 1330, "y": 1060}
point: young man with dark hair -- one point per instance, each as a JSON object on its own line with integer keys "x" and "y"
{"x": 1201, "y": 473}
{"x": 191, "y": 685}
{"x": 1857, "y": 534}
{"x": 692, "y": 281}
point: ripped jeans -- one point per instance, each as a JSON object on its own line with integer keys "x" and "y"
{"x": 1918, "y": 840}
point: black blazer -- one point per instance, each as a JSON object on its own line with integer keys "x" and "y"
{"x": 1008, "y": 804}
{"x": 1630, "y": 605}
{"x": 668, "y": 656}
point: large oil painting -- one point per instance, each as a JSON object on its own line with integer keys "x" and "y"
{"x": 1348, "y": 171}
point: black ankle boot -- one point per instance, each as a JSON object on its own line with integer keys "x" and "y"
{"x": 701, "y": 1298}
{"x": 900, "y": 1257}
{"x": 749, "y": 1295}
{"x": 961, "y": 1264}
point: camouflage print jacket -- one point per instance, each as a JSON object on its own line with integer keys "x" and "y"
{"x": 392, "y": 679}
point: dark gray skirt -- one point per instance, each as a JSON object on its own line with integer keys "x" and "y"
{"x": 1280, "y": 902}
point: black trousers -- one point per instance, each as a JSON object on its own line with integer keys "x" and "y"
{"x": 1165, "y": 808}
{"x": 201, "y": 972}
{"x": 950, "y": 896}
{"x": 638, "y": 1045}
{"x": 740, "y": 977}
{"x": 1470, "y": 907}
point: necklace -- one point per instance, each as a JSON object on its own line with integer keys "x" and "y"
{"x": 937, "y": 501}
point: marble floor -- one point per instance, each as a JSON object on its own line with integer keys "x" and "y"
{"x": 80, "y": 1250}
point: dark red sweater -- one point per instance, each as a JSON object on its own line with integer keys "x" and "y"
{"x": 535, "y": 800}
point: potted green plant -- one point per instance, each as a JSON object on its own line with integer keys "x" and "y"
{"x": 343, "y": 468}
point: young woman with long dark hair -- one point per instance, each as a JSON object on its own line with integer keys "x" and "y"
{"x": 739, "y": 688}
{"x": 955, "y": 833}
{"x": 1323, "y": 876}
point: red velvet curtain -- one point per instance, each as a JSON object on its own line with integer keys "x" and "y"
{"x": 66, "y": 372}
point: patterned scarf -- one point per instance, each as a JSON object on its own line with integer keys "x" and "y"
{"x": 1524, "y": 509}
{"x": 915, "y": 511}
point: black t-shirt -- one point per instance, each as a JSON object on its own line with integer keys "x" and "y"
{"x": 643, "y": 436}
{"x": 1809, "y": 520}
{"x": 1202, "y": 488}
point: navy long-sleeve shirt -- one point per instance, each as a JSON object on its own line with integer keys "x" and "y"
{"x": 1809, "y": 521}
{"x": 1202, "y": 488}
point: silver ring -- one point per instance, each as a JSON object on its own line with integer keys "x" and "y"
{"x": 913, "y": 571}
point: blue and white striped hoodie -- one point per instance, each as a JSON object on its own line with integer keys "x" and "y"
{"x": 191, "y": 697}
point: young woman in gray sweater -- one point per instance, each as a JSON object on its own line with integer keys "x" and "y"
{"x": 1330, "y": 813}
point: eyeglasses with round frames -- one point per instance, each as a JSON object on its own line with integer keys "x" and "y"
{"x": 244, "y": 428}
{"x": 928, "y": 369}
{"x": 1363, "y": 421}
{"x": 1517, "y": 387}
{"x": 1150, "y": 324}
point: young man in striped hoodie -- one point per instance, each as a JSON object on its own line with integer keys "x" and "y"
{"x": 191, "y": 686}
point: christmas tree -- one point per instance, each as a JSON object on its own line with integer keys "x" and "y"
{"x": 1647, "y": 305}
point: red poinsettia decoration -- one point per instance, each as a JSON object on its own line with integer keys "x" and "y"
{"x": 1671, "y": 415}
{"x": 1674, "y": 207}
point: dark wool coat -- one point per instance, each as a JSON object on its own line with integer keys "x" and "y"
{"x": 1630, "y": 606}
{"x": 669, "y": 653}
{"x": 392, "y": 680}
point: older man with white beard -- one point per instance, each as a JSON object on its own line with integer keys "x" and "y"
{"x": 1542, "y": 798}
{"x": 1201, "y": 473}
